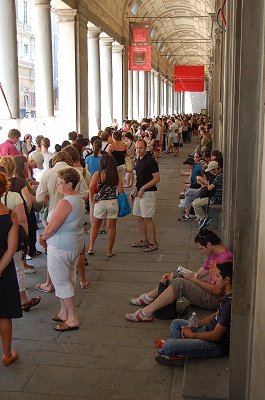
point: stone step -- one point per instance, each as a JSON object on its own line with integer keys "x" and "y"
{"x": 206, "y": 379}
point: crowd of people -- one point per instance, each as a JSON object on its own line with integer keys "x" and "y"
{"x": 86, "y": 176}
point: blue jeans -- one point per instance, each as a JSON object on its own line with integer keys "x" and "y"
{"x": 188, "y": 347}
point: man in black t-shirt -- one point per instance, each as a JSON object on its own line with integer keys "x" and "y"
{"x": 147, "y": 176}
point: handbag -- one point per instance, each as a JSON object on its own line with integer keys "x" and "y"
{"x": 123, "y": 204}
{"x": 128, "y": 164}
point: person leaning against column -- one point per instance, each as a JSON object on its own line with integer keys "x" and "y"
{"x": 147, "y": 176}
{"x": 65, "y": 237}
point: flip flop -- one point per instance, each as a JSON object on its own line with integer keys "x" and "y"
{"x": 90, "y": 252}
{"x": 38, "y": 287}
{"x": 57, "y": 319}
{"x": 63, "y": 327}
{"x": 111, "y": 254}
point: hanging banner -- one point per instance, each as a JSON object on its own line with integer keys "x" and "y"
{"x": 140, "y": 47}
{"x": 189, "y": 78}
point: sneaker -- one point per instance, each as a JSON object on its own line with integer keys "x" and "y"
{"x": 28, "y": 257}
{"x": 175, "y": 361}
{"x": 140, "y": 301}
{"x": 138, "y": 316}
{"x": 184, "y": 218}
{"x": 159, "y": 343}
{"x": 204, "y": 222}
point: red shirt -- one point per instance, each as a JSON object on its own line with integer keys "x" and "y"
{"x": 8, "y": 149}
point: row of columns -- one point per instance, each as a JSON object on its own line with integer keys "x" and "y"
{"x": 150, "y": 94}
{"x": 91, "y": 73}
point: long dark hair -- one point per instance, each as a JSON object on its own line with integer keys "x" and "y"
{"x": 97, "y": 147}
{"x": 109, "y": 166}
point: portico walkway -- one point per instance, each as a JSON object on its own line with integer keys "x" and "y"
{"x": 108, "y": 357}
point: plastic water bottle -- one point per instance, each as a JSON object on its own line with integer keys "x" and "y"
{"x": 193, "y": 322}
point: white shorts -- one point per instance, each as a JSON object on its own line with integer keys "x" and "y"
{"x": 61, "y": 266}
{"x": 106, "y": 209}
{"x": 145, "y": 207}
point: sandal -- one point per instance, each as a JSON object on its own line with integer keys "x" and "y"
{"x": 32, "y": 303}
{"x": 150, "y": 247}
{"x": 90, "y": 252}
{"x": 84, "y": 285}
{"x": 7, "y": 360}
{"x": 111, "y": 254}
{"x": 138, "y": 316}
{"x": 141, "y": 243}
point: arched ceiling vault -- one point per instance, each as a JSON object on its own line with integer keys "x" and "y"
{"x": 183, "y": 29}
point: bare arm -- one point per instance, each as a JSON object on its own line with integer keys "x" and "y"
{"x": 120, "y": 184}
{"x": 211, "y": 336}
{"x": 21, "y": 216}
{"x": 202, "y": 284}
{"x": 12, "y": 241}
{"x": 27, "y": 197}
{"x": 92, "y": 185}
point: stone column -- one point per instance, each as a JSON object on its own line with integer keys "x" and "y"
{"x": 81, "y": 74}
{"x": 125, "y": 86}
{"x": 67, "y": 68}
{"x": 142, "y": 94}
{"x": 117, "y": 62}
{"x": 94, "y": 109}
{"x": 148, "y": 90}
{"x": 243, "y": 193}
{"x": 157, "y": 93}
{"x": 152, "y": 94}
{"x": 106, "y": 80}
{"x": 216, "y": 91}
{"x": 43, "y": 59}
{"x": 130, "y": 94}
{"x": 165, "y": 96}
{"x": 136, "y": 95}
{"x": 162, "y": 99}
{"x": 9, "y": 61}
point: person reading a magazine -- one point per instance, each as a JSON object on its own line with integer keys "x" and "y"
{"x": 198, "y": 288}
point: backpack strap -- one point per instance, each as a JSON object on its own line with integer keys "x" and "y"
{"x": 105, "y": 147}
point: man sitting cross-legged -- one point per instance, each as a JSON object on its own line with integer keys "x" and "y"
{"x": 194, "y": 287}
{"x": 211, "y": 338}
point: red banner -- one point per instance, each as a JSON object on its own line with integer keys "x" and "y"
{"x": 189, "y": 78}
{"x": 140, "y": 47}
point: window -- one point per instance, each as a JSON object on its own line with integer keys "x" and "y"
{"x": 25, "y": 8}
{"x": 135, "y": 7}
{"x": 26, "y": 49}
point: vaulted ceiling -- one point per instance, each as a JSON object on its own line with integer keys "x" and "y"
{"x": 182, "y": 29}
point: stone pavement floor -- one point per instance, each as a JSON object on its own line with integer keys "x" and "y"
{"x": 108, "y": 357}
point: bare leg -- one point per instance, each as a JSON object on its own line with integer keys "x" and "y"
{"x": 47, "y": 286}
{"x": 72, "y": 319}
{"x": 94, "y": 232}
{"x": 151, "y": 230}
{"x": 111, "y": 234}
{"x": 80, "y": 266}
{"x": 143, "y": 229}
{"x": 153, "y": 293}
{"x": 6, "y": 335}
{"x": 165, "y": 298}
{"x": 63, "y": 313}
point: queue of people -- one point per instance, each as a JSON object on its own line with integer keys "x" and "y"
{"x": 84, "y": 175}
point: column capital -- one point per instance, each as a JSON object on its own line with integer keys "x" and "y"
{"x": 93, "y": 31}
{"x": 105, "y": 40}
{"x": 117, "y": 48}
{"x": 66, "y": 15}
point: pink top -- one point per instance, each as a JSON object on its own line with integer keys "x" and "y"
{"x": 211, "y": 261}
{"x": 8, "y": 149}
